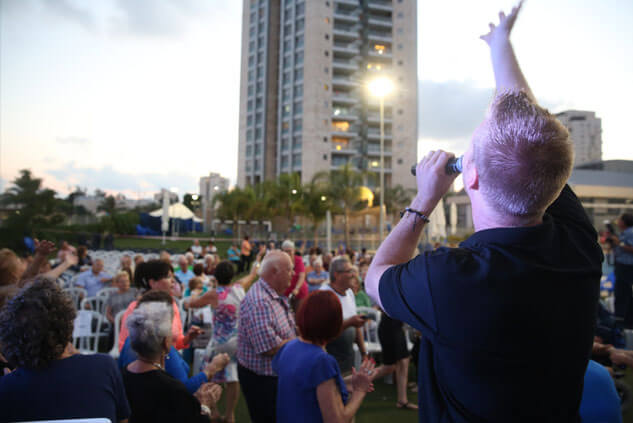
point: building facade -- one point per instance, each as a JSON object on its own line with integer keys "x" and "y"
{"x": 209, "y": 186}
{"x": 585, "y": 130}
{"x": 304, "y": 102}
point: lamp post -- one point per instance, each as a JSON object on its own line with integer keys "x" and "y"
{"x": 380, "y": 87}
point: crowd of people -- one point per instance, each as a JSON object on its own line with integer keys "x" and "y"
{"x": 507, "y": 326}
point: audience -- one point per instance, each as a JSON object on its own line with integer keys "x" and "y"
{"x": 298, "y": 287}
{"x": 158, "y": 275}
{"x": 211, "y": 249}
{"x": 233, "y": 254}
{"x": 310, "y": 387}
{"x": 175, "y": 365}
{"x": 209, "y": 265}
{"x": 196, "y": 248}
{"x": 126, "y": 266}
{"x": 120, "y": 300}
{"x": 94, "y": 279}
{"x": 318, "y": 276}
{"x": 245, "y": 255}
{"x": 153, "y": 394}
{"x": 225, "y": 319}
{"x": 52, "y": 381}
{"x": 196, "y": 288}
{"x": 341, "y": 347}
{"x": 266, "y": 323}
{"x": 183, "y": 273}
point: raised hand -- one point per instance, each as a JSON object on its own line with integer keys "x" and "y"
{"x": 361, "y": 379}
{"x": 219, "y": 362}
{"x": 71, "y": 259}
{"x": 193, "y": 332}
{"x": 502, "y": 31}
{"x": 44, "y": 247}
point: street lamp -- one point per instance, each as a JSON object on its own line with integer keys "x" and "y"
{"x": 381, "y": 87}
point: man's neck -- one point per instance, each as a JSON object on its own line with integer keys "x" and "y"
{"x": 338, "y": 289}
{"x": 486, "y": 218}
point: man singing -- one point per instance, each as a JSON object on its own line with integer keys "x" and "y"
{"x": 507, "y": 318}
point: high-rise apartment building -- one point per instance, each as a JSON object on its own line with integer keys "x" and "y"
{"x": 585, "y": 130}
{"x": 304, "y": 103}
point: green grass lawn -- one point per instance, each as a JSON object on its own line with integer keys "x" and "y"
{"x": 179, "y": 245}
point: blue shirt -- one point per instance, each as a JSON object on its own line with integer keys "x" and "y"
{"x": 507, "y": 319}
{"x": 301, "y": 368}
{"x": 600, "y": 401}
{"x": 91, "y": 282}
{"x": 314, "y": 275}
{"x": 174, "y": 366}
{"x": 621, "y": 256}
{"x": 234, "y": 255}
{"x": 184, "y": 277}
{"x": 80, "y": 386}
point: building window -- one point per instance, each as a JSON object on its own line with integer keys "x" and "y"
{"x": 249, "y": 135}
{"x": 258, "y": 133}
{"x": 299, "y": 25}
{"x": 297, "y": 124}
{"x": 285, "y": 94}
{"x": 287, "y": 29}
{"x": 299, "y": 58}
{"x": 258, "y": 103}
{"x": 327, "y": 36}
{"x": 286, "y": 110}
{"x": 249, "y": 151}
{"x": 249, "y": 120}
{"x": 326, "y": 69}
{"x": 286, "y": 62}
{"x": 400, "y": 15}
{"x": 298, "y": 74}
{"x": 324, "y": 139}
{"x": 340, "y": 126}
{"x": 286, "y": 78}
{"x": 326, "y": 87}
{"x": 284, "y": 162}
{"x": 285, "y": 127}
{"x": 250, "y": 75}
{"x": 296, "y": 160}
{"x": 287, "y": 45}
{"x": 284, "y": 144}
{"x": 258, "y": 148}
{"x": 298, "y": 91}
{"x": 260, "y": 88}
{"x": 327, "y": 53}
{"x": 251, "y": 46}
{"x": 298, "y": 107}
{"x": 249, "y": 106}
{"x": 258, "y": 119}
{"x": 251, "y": 90}
{"x": 299, "y": 41}
{"x": 299, "y": 9}
{"x": 325, "y": 157}
{"x": 399, "y": 161}
{"x": 327, "y": 20}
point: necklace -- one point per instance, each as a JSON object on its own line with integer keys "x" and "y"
{"x": 157, "y": 365}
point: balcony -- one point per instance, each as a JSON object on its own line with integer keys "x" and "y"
{"x": 374, "y": 135}
{"x": 375, "y": 119}
{"x": 345, "y": 49}
{"x": 380, "y": 55}
{"x": 343, "y": 65}
{"x": 344, "y": 83}
{"x": 346, "y": 33}
{"x": 374, "y": 150}
{"x": 381, "y": 5}
{"x": 354, "y": 3}
{"x": 350, "y": 133}
{"x": 379, "y": 21}
{"x": 344, "y": 99}
{"x": 380, "y": 36}
{"x": 343, "y": 150}
{"x": 345, "y": 16}
{"x": 342, "y": 114}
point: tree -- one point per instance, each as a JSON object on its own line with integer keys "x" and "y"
{"x": 396, "y": 199}
{"x": 316, "y": 203}
{"x": 234, "y": 204}
{"x": 343, "y": 186}
{"x": 287, "y": 196}
{"x": 108, "y": 205}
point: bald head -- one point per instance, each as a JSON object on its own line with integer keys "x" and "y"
{"x": 277, "y": 270}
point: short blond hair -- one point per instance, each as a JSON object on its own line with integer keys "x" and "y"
{"x": 523, "y": 158}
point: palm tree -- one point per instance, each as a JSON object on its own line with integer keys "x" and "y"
{"x": 287, "y": 194}
{"x": 316, "y": 203}
{"x": 343, "y": 186}
{"x": 234, "y": 204}
{"x": 396, "y": 199}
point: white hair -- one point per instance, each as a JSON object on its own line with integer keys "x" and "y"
{"x": 149, "y": 324}
{"x": 287, "y": 244}
{"x": 337, "y": 265}
{"x": 318, "y": 261}
{"x": 188, "y": 255}
{"x": 272, "y": 260}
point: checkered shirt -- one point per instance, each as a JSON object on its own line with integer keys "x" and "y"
{"x": 265, "y": 321}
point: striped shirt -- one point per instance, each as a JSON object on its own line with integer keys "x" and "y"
{"x": 265, "y": 321}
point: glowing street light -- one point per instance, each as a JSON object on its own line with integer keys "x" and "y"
{"x": 294, "y": 191}
{"x": 381, "y": 87}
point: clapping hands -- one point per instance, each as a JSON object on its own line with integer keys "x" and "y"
{"x": 44, "y": 247}
{"x": 208, "y": 394}
{"x": 219, "y": 362}
{"x": 362, "y": 378}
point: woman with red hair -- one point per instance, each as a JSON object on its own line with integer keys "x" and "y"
{"x": 310, "y": 387}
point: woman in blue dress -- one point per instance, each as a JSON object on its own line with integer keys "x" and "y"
{"x": 310, "y": 387}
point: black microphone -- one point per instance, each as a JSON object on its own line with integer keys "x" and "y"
{"x": 454, "y": 165}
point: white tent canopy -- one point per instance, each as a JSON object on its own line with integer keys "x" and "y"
{"x": 177, "y": 211}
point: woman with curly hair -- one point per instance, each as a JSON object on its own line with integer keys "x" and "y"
{"x": 52, "y": 381}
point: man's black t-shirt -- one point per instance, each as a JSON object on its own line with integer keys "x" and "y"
{"x": 507, "y": 319}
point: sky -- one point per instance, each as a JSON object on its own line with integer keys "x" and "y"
{"x": 133, "y": 96}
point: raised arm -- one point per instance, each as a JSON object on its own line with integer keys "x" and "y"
{"x": 508, "y": 75}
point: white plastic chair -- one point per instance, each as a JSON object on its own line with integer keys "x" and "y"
{"x": 87, "y": 331}
{"x": 370, "y": 329}
{"x": 76, "y": 294}
{"x": 106, "y": 292}
{"x": 96, "y": 303}
{"x": 114, "y": 352}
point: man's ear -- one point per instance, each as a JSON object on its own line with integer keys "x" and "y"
{"x": 471, "y": 178}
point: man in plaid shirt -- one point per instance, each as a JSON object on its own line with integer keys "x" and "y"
{"x": 266, "y": 324}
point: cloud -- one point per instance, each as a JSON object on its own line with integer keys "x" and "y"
{"x": 451, "y": 109}
{"x": 67, "y": 10}
{"x": 158, "y": 17}
{"x": 109, "y": 179}
{"x": 73, "y": 140}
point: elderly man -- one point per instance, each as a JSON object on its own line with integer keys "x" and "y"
{"x": 183, "y": 273}
{"x": 94, "y": 279}
{"x": 342, "y": 348}
{"x": 298, "y": 287}
{"x": 266, "y": 323}
{"x": 507, "y": 318}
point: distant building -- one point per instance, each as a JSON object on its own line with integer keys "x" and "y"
{"x": 304, "y": 102}
{"x": 605, "y": 189}
{"x": 92, "y": 202}
{"x": 209, "y": 186}
{"x": 158, "y": 198}
{"x": 585, "y": 130}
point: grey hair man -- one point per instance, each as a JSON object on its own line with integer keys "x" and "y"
{"x": 529, "y": 275}
{"x": 266, "y": 324}
{"x": 341, "y": 280}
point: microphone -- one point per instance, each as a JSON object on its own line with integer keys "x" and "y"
{"x": 454, "y": 165}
